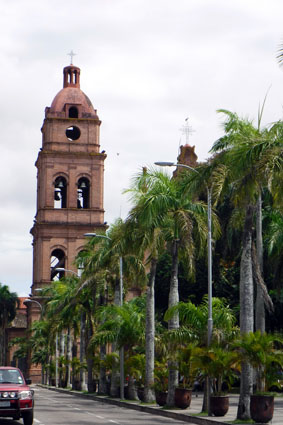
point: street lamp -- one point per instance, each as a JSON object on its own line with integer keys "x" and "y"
{"x": 62, "y": 269}
{"x": 121, "y": 303}
{"x": 209, "y": 246}
{"x": 28, "y": 300}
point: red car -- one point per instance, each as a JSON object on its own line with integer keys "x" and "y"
{"x": 16, "y": 397}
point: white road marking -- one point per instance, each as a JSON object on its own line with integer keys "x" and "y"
{"x": 76, "y": 408}
{"x": 99, "y": 417}
{"x": 114, "y": 422}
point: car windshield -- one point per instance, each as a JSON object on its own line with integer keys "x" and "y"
{"x": 10, "y": 376}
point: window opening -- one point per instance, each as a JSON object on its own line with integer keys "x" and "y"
{"x": 57, "y": 260}
{"x": 60, "y": 193}
{"x": 73, "y": 112}
{"x": 83, "y": 193}
{"x": 73, "y": 133}
{"x": 80, "y": 263}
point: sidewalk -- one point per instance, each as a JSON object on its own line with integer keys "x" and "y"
{"x": 190, "y": 415}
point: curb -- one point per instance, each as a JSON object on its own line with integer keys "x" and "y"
{"x": 197, "y": 420}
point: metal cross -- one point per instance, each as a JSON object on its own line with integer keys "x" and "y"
{"x": 187, "y": 130}
{"x": 72, "y": 54}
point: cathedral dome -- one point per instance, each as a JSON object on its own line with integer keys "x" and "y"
{"x": 72, "y": 96}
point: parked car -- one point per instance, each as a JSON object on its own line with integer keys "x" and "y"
{"x": 16, "y": 397}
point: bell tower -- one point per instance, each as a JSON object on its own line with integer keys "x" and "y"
{"x": 69, "y": 182}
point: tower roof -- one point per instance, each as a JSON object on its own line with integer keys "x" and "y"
{"x": 71, "y": 94}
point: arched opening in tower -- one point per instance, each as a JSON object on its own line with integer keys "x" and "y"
{"x": 83, "y": 193}
{"x": 73, "y": 112}
{"x": 57, "y": 261}
{"x": 60, "y": 192}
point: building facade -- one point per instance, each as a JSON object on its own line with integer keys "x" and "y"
{"x": 70, "y": 180}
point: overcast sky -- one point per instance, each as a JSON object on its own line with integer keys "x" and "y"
{"x": 146, "y": 65}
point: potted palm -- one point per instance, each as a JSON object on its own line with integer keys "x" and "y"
{"x": 161, "y": 382}
{"x": 263, "y": 352}
{"x": 219, "y": 364}
{"x": 187, "y": 374}
{"x": 134, "y": 368}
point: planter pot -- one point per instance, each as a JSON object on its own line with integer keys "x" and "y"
{"x": 183, "y": 397}
{"x": 219, "y": 405}
{"x": 161, "y": 397}
{"x": 262, "y": 407}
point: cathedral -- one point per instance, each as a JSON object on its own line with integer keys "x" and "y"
{"x": 70, "y": 179}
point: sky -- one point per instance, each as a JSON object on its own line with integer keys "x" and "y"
{"x": 146, "y": 65}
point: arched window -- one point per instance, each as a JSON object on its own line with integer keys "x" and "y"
{"x": 80, "y": 263}
{"x": 73, "y": 112}
{"x": 83, "y": 193}
{"x": 57, "y": 260}
{"x": 60, "y": 193}
{"x": 70, "y": 77}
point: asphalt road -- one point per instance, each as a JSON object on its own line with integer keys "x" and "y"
{"x": 65, "y": 409}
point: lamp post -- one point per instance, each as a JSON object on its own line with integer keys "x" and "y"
{"x": 122, "y": 383}
{"x": 28, "y": 301}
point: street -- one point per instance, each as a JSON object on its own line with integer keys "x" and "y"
{"x": 52, "y": 408}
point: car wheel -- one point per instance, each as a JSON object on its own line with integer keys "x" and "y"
{"x": 28, "y": 418}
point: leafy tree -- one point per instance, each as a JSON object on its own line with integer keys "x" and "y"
{"x": 8, "y": 305}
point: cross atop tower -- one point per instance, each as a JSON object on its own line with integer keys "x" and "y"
{"x": 187, "y": 130}
{"x": 72, "y": 54}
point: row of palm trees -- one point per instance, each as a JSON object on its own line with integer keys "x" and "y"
{"x": 170, "y": 214}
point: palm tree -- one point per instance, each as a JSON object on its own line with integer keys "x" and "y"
{"x": 8, "y": 305}
{"x": 123, "y": 325}
{"x": 274, "y": 241}
{"x": 193, "y": 320}
{"x": 102, "y": 257}
{"x": 252, "y": 157}
{"x": 264, "y": 352}
{"x": 147, "y": 240}
{"x": 183, "y": 222}
{"x": 63, "y": 310}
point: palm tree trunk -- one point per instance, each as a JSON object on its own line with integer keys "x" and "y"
{"x": 173, "y": 323}
{"x": 90, "y": 386}
{"x": 246, "y": 313}
{"x": 69, "y": 357}
{"x": 74, "y": 377}
{"x": 114, "y": 389}
{"x": 260, "y": 310}
{"x": 149, "y": 395}
{"x": 102, "y": 371}
{"x": 132, "y": 389}
{"x": 83, "y": 385}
